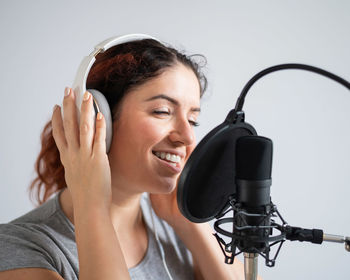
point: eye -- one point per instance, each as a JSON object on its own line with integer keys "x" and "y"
{"x": 193, "y": 123}
{"x": 161, "y": 111}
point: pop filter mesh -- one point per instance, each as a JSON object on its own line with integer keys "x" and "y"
{"x": 210, "y": 176}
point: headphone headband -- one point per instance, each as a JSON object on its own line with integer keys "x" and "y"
{"x": 79, "y": 84}
{"x": 111, "y": 42}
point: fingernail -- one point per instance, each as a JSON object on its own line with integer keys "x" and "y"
{"x": 86, "y": 96}
{"x": 54, "y": 108}
{"x": 66, "y": 91}
{"x": 99, "y": 116}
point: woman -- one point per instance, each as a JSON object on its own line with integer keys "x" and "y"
{"x": 100, "y": 225}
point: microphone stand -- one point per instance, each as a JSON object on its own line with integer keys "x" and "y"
{"x": 251, "y": 259}
{"x": 338, "y": 239}
{"x": 251, "y": 266}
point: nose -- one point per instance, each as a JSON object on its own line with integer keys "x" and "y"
{"x": 182, "y": 133}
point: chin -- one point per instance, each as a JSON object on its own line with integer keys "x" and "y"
{"x": 164, "y": 187}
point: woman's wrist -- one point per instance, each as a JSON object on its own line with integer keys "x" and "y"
{"x": 93, "y": 203}
{"x": 90, "y": 211}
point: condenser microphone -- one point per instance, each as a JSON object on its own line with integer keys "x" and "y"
{"x": 253, "y": 181}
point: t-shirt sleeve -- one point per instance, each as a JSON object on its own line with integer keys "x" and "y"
{"x": 23, "y": 247}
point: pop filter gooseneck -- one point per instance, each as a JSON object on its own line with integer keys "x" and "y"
{"x": 240, "y": 100}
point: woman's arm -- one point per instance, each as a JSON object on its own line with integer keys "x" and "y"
{"x": 99, "y": 251}
{"x": 207, "y": 255}
{"x": 88, "y": 178}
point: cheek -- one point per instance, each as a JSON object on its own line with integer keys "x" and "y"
{"x": 150, "y": 131}
{"x": 194, "y": 143}
{"x": 189, "y": 149}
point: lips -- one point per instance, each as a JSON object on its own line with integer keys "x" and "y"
{"x": 174, "y": 158}
{"x": 169, "y": 159}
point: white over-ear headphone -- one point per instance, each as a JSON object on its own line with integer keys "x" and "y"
{"x": 79, "y": 85}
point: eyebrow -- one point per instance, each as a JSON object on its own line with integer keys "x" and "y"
{"x": 171, "y": 100}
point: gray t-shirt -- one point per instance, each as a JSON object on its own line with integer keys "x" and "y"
{"x": 44, "y": 238}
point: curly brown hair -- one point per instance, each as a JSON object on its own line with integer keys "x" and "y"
{"x": 115, "y": 72}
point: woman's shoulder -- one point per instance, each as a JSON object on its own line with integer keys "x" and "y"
{"x": 42, "y": 225}
{"x": 40, "y": 238}
{"x": 42, "y": 213}
{"x": 48, "y": 217}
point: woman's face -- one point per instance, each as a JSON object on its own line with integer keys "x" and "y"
{"x": 154, "y": 133}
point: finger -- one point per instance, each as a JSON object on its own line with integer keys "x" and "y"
{"x": 70, "y": 123}
{"x": 86, "y": 124}
{"x": 58, "y": 130}
{"x": 99, "y": 145}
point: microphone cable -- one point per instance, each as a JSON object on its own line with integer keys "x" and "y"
{"x": 161, "y": 250}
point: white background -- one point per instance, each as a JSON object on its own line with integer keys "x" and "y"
{"x": 306, "y": 115}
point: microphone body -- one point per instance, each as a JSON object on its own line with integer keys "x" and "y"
{"x": 252, "y": 215}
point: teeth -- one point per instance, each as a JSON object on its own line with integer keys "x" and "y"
{"x": 169, "y": 157}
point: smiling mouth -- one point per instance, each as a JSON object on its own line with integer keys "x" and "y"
{"x": 172, "y": 159}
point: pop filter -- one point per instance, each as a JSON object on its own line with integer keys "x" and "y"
{"x": 208, "y": 178}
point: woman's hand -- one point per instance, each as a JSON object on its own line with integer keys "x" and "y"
{"x": 83, "y": 152}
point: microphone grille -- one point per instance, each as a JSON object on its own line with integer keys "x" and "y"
{"x": 253, "y": 158}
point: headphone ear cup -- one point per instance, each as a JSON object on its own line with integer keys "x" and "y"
{"x": 103, "y": 106}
